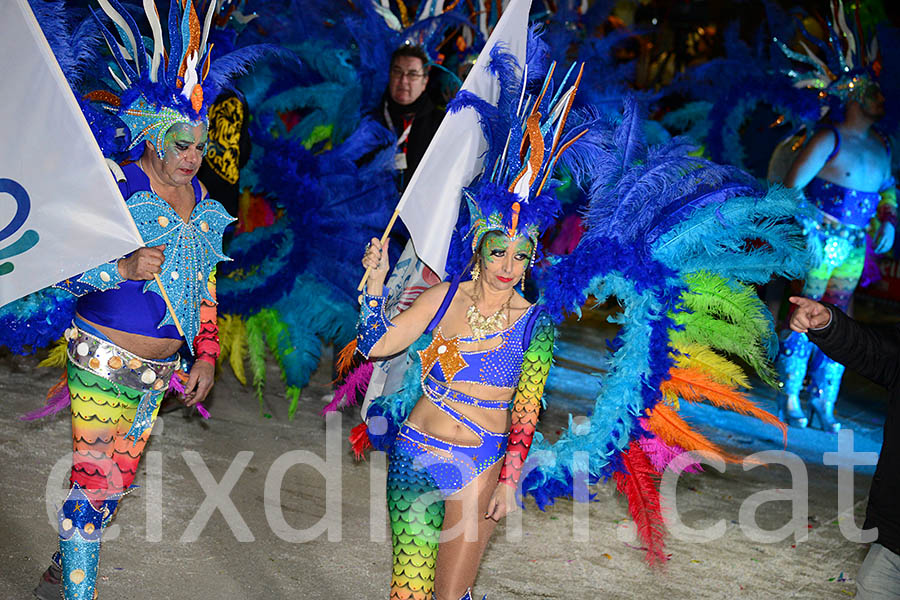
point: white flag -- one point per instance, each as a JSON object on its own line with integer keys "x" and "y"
{"x": 61, "y": 212}
{"x": 430, "y": 205}
{"x": 409, "y": 278}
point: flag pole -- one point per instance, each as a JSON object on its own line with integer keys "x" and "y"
{"x": 466, "y": 148}
{"x": 168, "y": 302}
{"x": 384, "y": 237}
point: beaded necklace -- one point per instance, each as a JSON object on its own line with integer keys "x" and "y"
{"x": 481, "y": 325}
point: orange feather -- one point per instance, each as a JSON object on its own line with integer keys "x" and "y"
{"x": 62, "y": 382}
{"x": 666, "y": 423}
{"x": 345, "y": 360}
{"x": 694, "y": 385}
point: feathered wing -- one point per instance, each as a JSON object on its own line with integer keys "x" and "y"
{"x": 325, "y": 168}
{"x": 679, "y": 264}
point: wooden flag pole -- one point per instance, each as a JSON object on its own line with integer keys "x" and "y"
{"x": 384, "y": 238}
{"x": 165, "y": 297}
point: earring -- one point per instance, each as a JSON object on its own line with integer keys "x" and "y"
{"x": 476, "y": 271}
{"x": 522, "y": 281}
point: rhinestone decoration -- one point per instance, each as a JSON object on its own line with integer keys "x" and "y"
{"x": 188, "y": 250}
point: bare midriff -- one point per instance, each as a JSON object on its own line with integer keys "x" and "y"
{"x": 428, "y": 418}
{"x": 141, "y": 345}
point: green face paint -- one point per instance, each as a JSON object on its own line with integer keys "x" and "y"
{"x": 180, "y": 138}
{"x": 496, "y": 245}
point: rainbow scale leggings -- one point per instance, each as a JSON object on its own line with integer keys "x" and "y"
{"x": 834, "y": 281}
{"x": 104, "y": 463}
{"x": 416, "y": 510}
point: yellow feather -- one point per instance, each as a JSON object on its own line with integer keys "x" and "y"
{"x": 717, "y": 367}
{"x": 239, "y": 350}
{"x": 226, "y": 335}
{"x": 57, "y": 356}
{"x": 233, "y": 344}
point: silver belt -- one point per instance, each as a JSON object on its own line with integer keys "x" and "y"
{"x": 117, "y": 365}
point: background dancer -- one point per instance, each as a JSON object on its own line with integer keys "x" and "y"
{"x": 845, "y": 172}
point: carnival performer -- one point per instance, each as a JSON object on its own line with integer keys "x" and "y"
{"x": 844, "y": 171}
{"x": 124, "y": 342}
{"x": 456, "y": 461}
{"x": 667, "y": 236}
{"x": 483, "y": 380}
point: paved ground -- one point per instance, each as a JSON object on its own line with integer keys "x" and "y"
{"x": 161, "y": 549}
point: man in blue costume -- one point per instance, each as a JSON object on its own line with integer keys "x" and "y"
{"x": 134, "y": 315}
{"x": 844, "y": 172}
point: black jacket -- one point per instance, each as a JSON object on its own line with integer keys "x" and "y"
{"x": 873, "y": 352}
{"x": 425, "y": 123}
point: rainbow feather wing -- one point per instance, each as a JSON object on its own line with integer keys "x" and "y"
{"x": 675, "y": 260}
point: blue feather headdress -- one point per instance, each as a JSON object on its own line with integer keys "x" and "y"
{"x": 161, "y": 86}
{"x": 160, "y": 89}
{"x": 526, "y": 135}
{"x": 850, "y": 68}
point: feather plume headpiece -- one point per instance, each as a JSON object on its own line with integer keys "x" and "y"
{"x": 526, "y": 134}
{"x": 850, "y": 68}
{"x": 161, "y": 86}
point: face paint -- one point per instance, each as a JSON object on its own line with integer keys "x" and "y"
{"x": 180, "y": 138}
{"x": 496, "y": 245}
{"x": 503, "y": 260}
{"x": 184, "y": 145}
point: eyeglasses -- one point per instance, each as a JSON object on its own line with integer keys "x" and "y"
{"x": 397, "y": 73}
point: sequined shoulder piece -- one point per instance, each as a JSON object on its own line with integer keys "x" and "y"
{"x": 193, "y": 249}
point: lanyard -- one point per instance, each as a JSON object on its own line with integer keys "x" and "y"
{"x": 390, "y": 124}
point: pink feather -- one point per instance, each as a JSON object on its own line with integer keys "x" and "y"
{"x": 355, "y": 383}
{"x": 661, "y": 454}
{"x": 175, "y": 383}
{"x": 57, "y": 400}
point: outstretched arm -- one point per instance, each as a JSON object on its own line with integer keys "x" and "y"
{"x": 525, "y": 410}
{"x": 873, "y": 352}
{"x": 376, "y": 334}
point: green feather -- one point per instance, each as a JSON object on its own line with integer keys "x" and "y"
{"x": 293, "y": 393}
{"x": 728, "y": 316}
{"x": 256, "y": 346}
{"x": 729, "y": 301}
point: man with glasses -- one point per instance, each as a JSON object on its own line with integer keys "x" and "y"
{"x": 408, "y": 111}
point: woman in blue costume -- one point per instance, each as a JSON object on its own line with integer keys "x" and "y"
{"x": 485, "y": 351}
{"x": 845, "y": 174}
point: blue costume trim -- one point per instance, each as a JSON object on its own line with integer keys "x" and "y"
{"x": 80, "y": 527}
{"x": 99, "y": 279}
{"x": 434, "y": 389}
{"x": 496, "y": 367}
{"x": 849, "y": 206}
{"x": 453, "y": 466}
{"x": 372, "y": 324}
{"x": 193, "y": 249}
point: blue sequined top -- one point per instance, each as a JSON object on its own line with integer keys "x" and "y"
{"x": 496, "y": 367}
{"x": 192, "y": 250}
{"x": 849, "y": 206}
